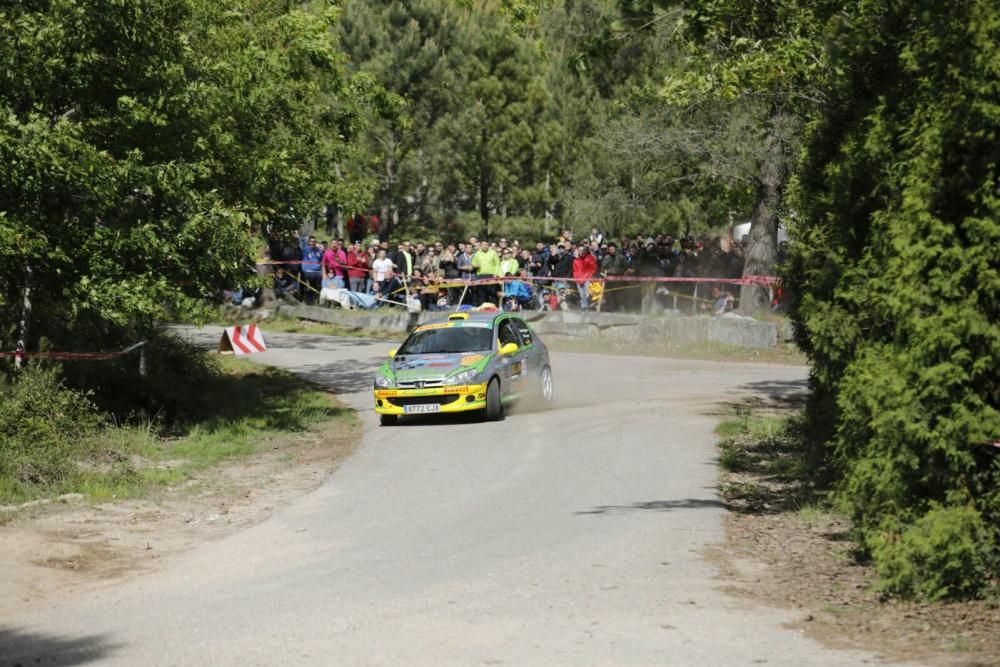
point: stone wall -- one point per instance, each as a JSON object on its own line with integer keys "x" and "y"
{"x": 729, "y": 329}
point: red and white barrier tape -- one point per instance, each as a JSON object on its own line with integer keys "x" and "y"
{"x": 71, "y": 356}
{"x": 745, "y": 280}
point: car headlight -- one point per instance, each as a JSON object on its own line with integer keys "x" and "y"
{"x": 384, "y": 381}
{"x": 465, "y": 377}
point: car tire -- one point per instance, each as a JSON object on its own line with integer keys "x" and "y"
{"x": 388, "y": 420}
{"x": 546, "y": 390}
{"x": 494, "y": 406}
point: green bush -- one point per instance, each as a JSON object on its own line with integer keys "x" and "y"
{"x": 175, "y": 391}
{"x": 896, "y": 281}
{"x": 942, "y": 554}
{"x": 45, "y": 428}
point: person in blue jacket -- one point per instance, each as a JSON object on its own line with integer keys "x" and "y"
{"x": 517, "y": 293}
{"x": 312, "y": 272}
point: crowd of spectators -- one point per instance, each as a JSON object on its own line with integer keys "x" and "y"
{"x": 506, "y": 272}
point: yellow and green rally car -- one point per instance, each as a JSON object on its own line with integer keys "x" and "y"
{"x": 467, "y": 361}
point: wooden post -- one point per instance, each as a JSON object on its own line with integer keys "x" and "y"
{"x": 604, "y": 287}
{"x": 461, "y": 299}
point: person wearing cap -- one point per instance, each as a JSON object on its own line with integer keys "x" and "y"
{"x": 508, "y": 263}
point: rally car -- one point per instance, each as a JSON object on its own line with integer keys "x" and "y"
{"x": 464, "y": 362}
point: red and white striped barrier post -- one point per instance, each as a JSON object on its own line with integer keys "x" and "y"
{"x": 242, "y": 340}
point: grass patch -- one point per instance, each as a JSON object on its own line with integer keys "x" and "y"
{"x": 767, "y": 464}
{"x": 234, "y": 413}
{"x": 811, "y": 513}
{"x": 834, "y": 610}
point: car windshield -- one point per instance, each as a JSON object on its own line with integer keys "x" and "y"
{"x": 448, "y": 340}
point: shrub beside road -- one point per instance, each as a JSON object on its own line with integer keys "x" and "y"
{"x": 56, "y": 439}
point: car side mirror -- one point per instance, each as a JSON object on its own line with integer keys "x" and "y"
{"x": 508, "y": 349}
{"x": 392, "y": 353}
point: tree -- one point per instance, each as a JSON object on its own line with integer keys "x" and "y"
{"x": 145, "y": 143}
{"x": 478, "y": 137}
{"x": 414, "y": 50}
{"x": 897, "y": 278}
{"x": 739, "y": 58}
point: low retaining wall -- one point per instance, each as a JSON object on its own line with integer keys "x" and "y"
{"x": 726, "y": 329}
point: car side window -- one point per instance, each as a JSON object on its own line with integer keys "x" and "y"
{"x": 524, "y": 330}
{"x": 506, "y": 334}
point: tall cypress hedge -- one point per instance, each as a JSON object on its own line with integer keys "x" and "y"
{"x": 897, "y": 277}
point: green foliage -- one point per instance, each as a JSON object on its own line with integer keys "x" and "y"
{"x": 897, "y": 278}
{"x": 144, "y": 142}
{"x": 53, "y": 439}
{"x": 171, "y": 394}
{"x": 44, "y": 430}
{"x": 477, "y": 136}
{"x": 942, "y": 554}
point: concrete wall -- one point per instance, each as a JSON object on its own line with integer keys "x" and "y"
{"x": 727, "y": 329}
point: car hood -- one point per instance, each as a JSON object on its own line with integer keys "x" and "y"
{"x": 409, "y": 368}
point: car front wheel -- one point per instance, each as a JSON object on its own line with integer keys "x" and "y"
{"x": 494, "y": 407}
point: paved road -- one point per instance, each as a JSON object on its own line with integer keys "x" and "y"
{"x": 572, "y": 536}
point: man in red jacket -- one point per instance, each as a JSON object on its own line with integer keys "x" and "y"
{"x": 357, "y": 268}
{"x": 584, "y": 268}
{"x": 335, "y": 261}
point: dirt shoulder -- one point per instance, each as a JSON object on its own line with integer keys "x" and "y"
{"x": 784, "y": 549}
{"x": 49, "y": 548}
{"x": 808, "y": 565}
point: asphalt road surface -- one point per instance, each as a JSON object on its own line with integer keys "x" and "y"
{"x": 570, "y": 536}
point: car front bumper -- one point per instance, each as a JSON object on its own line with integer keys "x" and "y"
{"x": 460, "y": 398}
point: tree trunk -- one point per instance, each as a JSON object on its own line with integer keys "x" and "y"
{"x": 484, "y": 185}
{"x": 389, "y": 191}
{"x": 762, "y": 252}
{"x": 22, "y": 330}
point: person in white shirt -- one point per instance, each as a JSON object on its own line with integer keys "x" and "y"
{"x": 383, "y": 270}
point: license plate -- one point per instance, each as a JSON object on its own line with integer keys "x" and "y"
{"x": 422, "y": 408}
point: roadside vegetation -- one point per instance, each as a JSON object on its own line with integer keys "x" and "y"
{"x": 125, "y": 436}
{"x": 787, "y": 515}
{"x": 150, "y": 149}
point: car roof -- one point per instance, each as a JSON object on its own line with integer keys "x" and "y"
{"x": 467, "y": 316}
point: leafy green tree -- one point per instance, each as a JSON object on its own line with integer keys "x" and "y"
{"x": 897, "y": 278}
{"x": 497, "y": 145}
{"x": 477, "y": 135}
{"x": 145, "y": 143}
{"x": 731, "y": 61}
{"x": 414, "y": 50}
